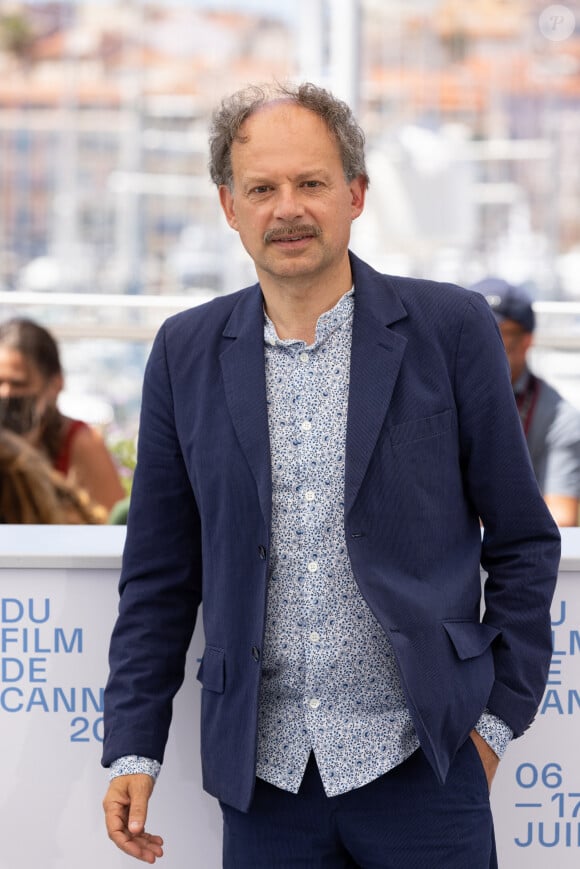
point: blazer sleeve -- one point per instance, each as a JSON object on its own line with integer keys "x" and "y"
{"x": 521, "y": 543}
{"x": 160, "y": 584}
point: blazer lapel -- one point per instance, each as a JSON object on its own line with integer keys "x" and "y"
{"x": 244, "y": 379}
{"x": 376, "y": 357}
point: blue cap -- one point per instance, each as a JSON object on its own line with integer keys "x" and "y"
{"x": 508, "y": 302}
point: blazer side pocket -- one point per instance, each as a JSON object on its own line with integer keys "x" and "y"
{"x": 470, "y": 639}
{"x": 212, "y": 670}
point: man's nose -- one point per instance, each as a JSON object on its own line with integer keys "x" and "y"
{"x": 289, "y": 205}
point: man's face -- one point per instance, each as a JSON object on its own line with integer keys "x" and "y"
{"x": 517, "y": 343}
{"x": 290, "y": 201}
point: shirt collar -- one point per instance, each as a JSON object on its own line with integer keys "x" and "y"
{"x": 328, "y": 322}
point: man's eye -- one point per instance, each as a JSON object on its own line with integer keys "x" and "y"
{"x": 312, "y": 184}
{"x": 261, "y": 188}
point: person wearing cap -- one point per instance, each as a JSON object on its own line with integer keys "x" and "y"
{"x": 551, "y": 424}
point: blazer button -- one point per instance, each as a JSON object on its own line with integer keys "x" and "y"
{"x": 255, "y": 653}
{"x": 262, "y": 552}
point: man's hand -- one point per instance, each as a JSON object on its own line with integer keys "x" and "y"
{"x": 564, "y": 509}
{"x": 488, "y": 757}
{"x": 125, "y": 806}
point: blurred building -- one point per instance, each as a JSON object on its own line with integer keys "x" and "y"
{"x": 104, "y": 111}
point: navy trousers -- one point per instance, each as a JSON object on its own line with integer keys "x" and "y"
{"x": 403, "y": 820}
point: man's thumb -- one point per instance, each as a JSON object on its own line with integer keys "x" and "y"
{"x": 138, "y": 809}
{"x": 136, "y": 823}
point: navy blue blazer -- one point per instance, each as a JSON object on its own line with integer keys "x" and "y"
{"x": 434, "y": 442}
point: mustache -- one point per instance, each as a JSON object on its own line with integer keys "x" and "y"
{"x": 301, "y": 229}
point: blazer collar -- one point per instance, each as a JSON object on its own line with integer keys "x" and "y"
{"x": 374, "y": 292}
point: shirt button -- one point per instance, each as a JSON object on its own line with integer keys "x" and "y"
{"x": 314, "y": 637}
{"x": 303, "y": 357}
{"x": 306, "y": 425}
{"x": 255, "y": 653}
{"x": 310, "y": 495}
{"x": 314, "y": 702}
{"x": 262, "y": 552}
{"x": 312, "y": 566}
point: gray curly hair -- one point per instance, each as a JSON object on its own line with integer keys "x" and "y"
{"x": 233, "y": 111}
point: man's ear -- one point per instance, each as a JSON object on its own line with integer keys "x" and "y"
{"x": 358, "y": 189}
{"x": 227, "y": 204}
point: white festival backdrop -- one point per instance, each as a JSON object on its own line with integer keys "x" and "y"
{"x": 58, "y": 599}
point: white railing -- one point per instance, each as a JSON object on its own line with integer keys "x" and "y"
{"x": 137, "y": 317}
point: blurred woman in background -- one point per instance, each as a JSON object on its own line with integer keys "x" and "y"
{"x": 32, "y": 492}
{"x": 31, "y": 379}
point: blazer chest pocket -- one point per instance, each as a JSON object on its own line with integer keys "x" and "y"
{"x": 421, "y": 429}
{"x": 211, "y": 672}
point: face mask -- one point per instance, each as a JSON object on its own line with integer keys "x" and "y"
{"x": 19, "y": 413}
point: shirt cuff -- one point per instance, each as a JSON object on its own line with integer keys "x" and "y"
{"x": 132, "y": 764}
{"x": 496, "y": 732}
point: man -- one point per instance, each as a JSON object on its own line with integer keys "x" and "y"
{"x": 315, "y": 454}
{"x": 551, "y": 424}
